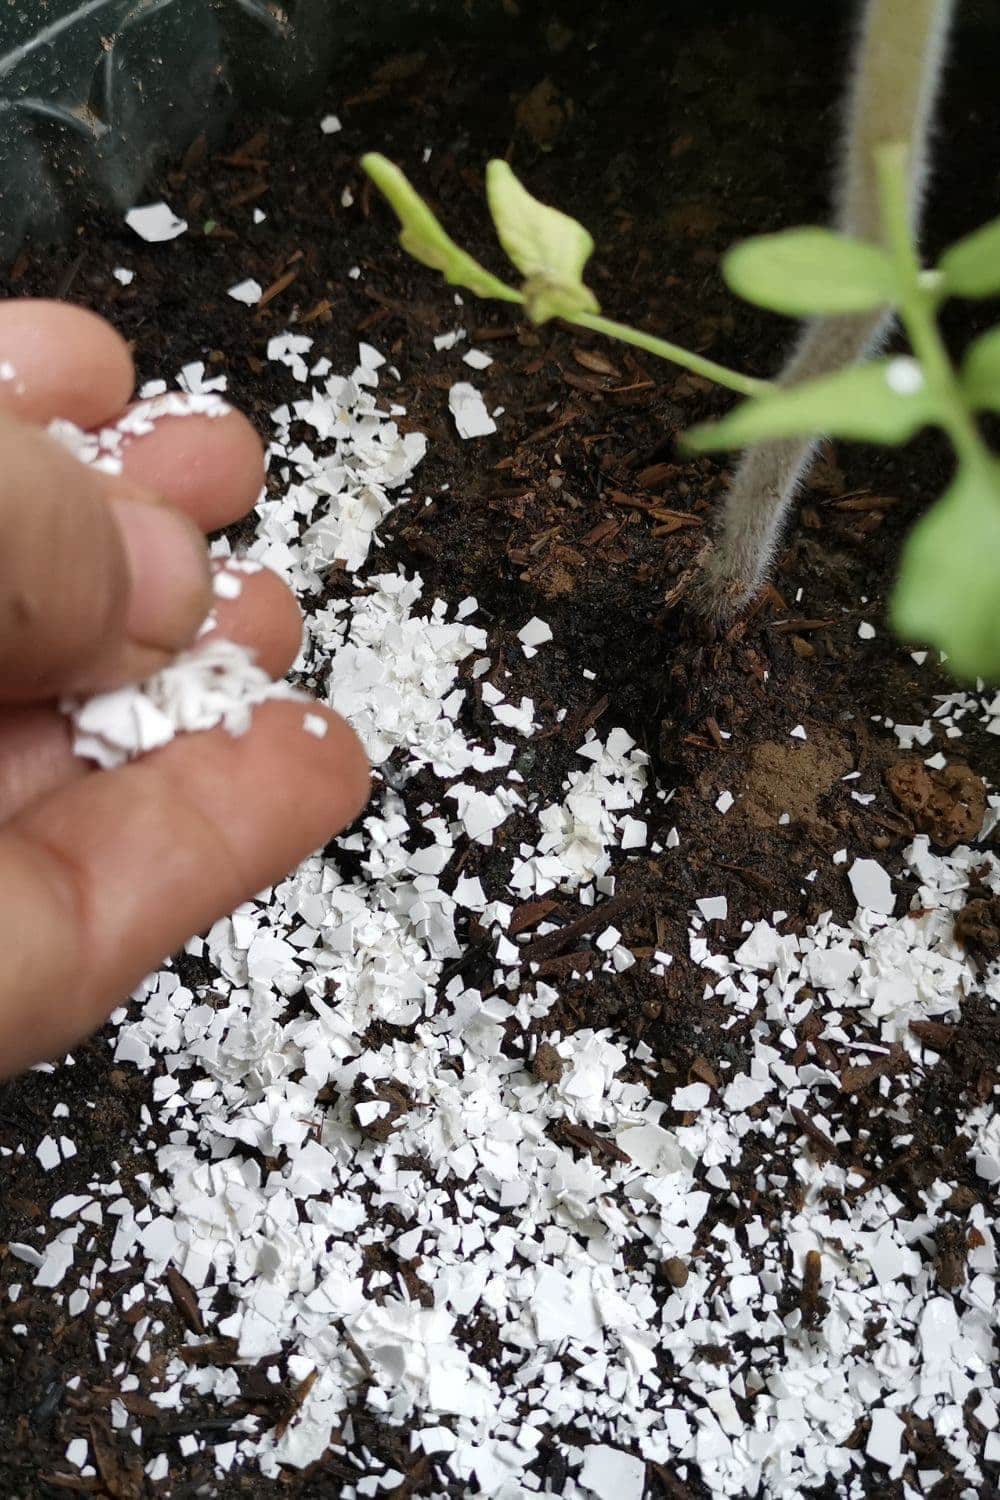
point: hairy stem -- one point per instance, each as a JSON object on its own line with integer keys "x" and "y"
{"x": 744, "y": 385}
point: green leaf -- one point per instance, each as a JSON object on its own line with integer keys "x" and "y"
{"x": 804, "y": 271}
{"x": 981, "y": 372}
{"x": 883, "y": 402}
{"x": 423, "y": 237}
{"x": 972, "y": 267}
{"x": 948, "y": 593}
{"x": 548, "y": 247}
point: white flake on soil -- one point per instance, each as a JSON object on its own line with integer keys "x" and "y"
{"x": 872, "y": 886}
{"x": 885, "y": 1440}
{"x": 536, "y": 633}
{"x": 77, "y": 1452}
{"x": 155, "y": 222}
{"x": 248, "y": 292}
{"x": 611, "y": 1474}
{"x": 713, "y": 908}
{"x": 344, "y": 488}
{"x": 468, "y": 408}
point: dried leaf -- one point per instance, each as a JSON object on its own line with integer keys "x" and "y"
{"x": 185, "y": 1299}
{"x": 598, "y": 364}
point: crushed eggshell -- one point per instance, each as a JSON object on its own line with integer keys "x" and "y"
{"x": 155, "y": 222}
{"x": 468, "y": 408}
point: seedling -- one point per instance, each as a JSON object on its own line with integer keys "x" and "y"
{"x": 548, "y": 248}
{"x": 948, "y": 592}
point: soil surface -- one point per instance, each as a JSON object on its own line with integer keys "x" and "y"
{"x": 671, "y": 131}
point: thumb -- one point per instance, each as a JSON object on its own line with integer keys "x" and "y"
{"x": 99, "y": 583}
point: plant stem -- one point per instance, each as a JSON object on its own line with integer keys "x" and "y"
{"x": 917, "y": 310}
{"x": 744, "y": 385}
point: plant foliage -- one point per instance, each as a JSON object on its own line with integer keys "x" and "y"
{"x": 948, "y": 589}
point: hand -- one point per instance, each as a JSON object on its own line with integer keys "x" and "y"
{"x": 102, "y": 580}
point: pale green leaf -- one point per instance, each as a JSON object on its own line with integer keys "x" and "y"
{"x": 548, "y": 247}
{"x": 972, "y": 267}
{"x": 883, "y": 402}
{"x": 423, "y": 237}
{"x": 948, "y": 593}
{"x": 805, "y": 271}
{"x": 981, "y": 373}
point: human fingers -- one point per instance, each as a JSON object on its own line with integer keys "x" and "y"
{"x": 36, "y": 753}
{"x": 91, "y": 591}
{"x": 210, "y": 467}
{"x": 61, "y": 361}
{"x": 105, "y": 877}
{"x": 257, "y": 610}
{"x": 58, "y": 360}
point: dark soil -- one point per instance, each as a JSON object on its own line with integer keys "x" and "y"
{"x": 670, "y": 138}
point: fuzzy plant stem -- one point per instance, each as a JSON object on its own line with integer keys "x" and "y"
{"x": 896, "y": 72}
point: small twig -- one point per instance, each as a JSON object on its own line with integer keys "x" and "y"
{"x": 296, "y": 1404}
{"x": 818, "y": 1137}
{"x": 355, "y": 1348}
{"x": 277, "y": 287}
{"x": 214, "y": 1352}
{"x": 201, "y": 1424}
{"x": 801, "y": 627}
{"x": 554, "y": 943}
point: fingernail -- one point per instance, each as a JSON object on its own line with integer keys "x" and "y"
{"x": 171, "y": 582}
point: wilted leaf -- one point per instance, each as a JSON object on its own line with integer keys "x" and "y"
{"x": 972, "y": 267}
{"x": 805, "y": 271}
{"x": 883, "y": 402}
{"x": 949, "y": 583}
{"x": 423, "y": 237}
{"x": 548, "y": 247}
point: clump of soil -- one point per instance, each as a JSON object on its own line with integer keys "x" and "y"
{"x": 790, "y": 778}
{"x": 948, "y": 805}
